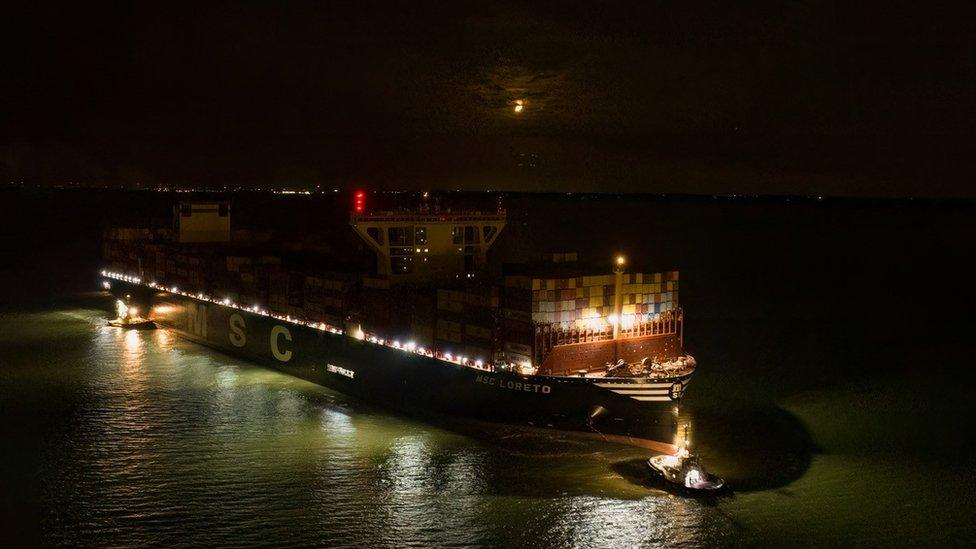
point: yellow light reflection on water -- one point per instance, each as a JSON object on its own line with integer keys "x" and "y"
{"x": 337, "y": 424}
{"x": 132, "y": 341}
{"x": 163, "y": 337}
{"x": 602, "y": 522}
{"x": 133, "y": 357}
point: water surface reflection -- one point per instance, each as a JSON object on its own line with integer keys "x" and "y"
{"x": 140, "y": 438}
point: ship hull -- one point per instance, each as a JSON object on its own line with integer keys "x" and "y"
{"x": 635, "y": 411}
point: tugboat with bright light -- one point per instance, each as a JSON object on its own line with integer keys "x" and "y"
{"x": 128, "y": 318}
{"x": 685, "y": 469}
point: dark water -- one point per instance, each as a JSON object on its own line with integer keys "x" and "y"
{"x": 834, "y": 424}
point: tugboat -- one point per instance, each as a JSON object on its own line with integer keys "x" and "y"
{"x": 685, "y": 469}
{"x": 129, "y": 318}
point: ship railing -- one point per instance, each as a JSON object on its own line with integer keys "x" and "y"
{"x": 407, "y": 347}
{"x": 673, "y": 367}
{"x": 548, "y": 336}
{"x": 418, "y": 217}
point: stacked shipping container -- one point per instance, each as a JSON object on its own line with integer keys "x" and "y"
{"x": 327, "y": 295}
{"x": 540, "y": 312}
{"x": 248, "y": 275}
{"x": 467, "y": 321}
{"x": 578, "y": 299}
{"x": 519, "y": 322}
{"x": 405, "y": 314}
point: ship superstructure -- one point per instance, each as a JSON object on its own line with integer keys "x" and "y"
{"x": 427, "y": 245}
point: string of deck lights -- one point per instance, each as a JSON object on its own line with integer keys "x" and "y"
{"x": 409, "y": 347}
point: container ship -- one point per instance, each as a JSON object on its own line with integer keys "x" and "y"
{"x": 550, "y": 344}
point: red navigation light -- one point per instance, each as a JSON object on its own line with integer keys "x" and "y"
{"x": 359, "y": 204}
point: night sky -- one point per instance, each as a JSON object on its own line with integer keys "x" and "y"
{"x": 723, "y": 97}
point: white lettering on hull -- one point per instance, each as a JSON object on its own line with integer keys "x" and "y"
{"x": 196, "y": 319}
{"x": 237, "y": 335}
{"x": 340, "y": 370}
{"x": 282, "y": 355}
{"x": 513, "y": 385}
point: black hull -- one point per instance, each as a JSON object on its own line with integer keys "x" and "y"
{"x": 600, "y": 407}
